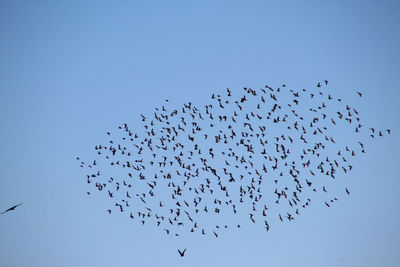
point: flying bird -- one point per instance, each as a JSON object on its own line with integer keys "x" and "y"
{"x": 11, "y": 209}
{"x": 347, "y": 191}
{"x": 182, "y": 253}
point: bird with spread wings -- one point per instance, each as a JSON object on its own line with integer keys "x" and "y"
{"x": 182, "y": 253}
{"x": 11, "y": 209}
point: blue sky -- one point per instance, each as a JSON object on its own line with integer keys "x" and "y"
{"x": 71, "y": 70}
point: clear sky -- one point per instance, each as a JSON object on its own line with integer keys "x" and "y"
{"x": 70, "y": 70}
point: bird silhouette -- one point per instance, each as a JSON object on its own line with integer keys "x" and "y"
{"x": 11, "y": 209}
{"x": 182, "y": 253}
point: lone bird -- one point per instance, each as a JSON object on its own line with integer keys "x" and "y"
{"x": 12, "y": 208}
{"x": 182, "y": 253}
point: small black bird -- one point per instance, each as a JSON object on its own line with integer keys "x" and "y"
{"x": 182, "y": 253}
{"x": 12, "y": 208}
{"x": 347, "y": 191}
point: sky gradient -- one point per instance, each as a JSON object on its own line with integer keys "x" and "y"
{"x": 71, "y": 70}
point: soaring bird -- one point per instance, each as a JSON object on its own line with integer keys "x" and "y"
{"x": 182, "y": 253}
{"x": 12, "y": 208}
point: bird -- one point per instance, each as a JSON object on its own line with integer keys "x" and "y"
{"x": 12, "y": 208}
{"x": 182, "y": 253}
{"x": 347, "y": 191}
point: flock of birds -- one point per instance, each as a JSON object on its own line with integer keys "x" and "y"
{"x": 253, "y": 155}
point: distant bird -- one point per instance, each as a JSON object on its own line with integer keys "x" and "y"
{"x": 347, "y": 191}
{"x": 11, "y": 209}
{"x": 359, "y": 94}
{"x": 182, "y": 253}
